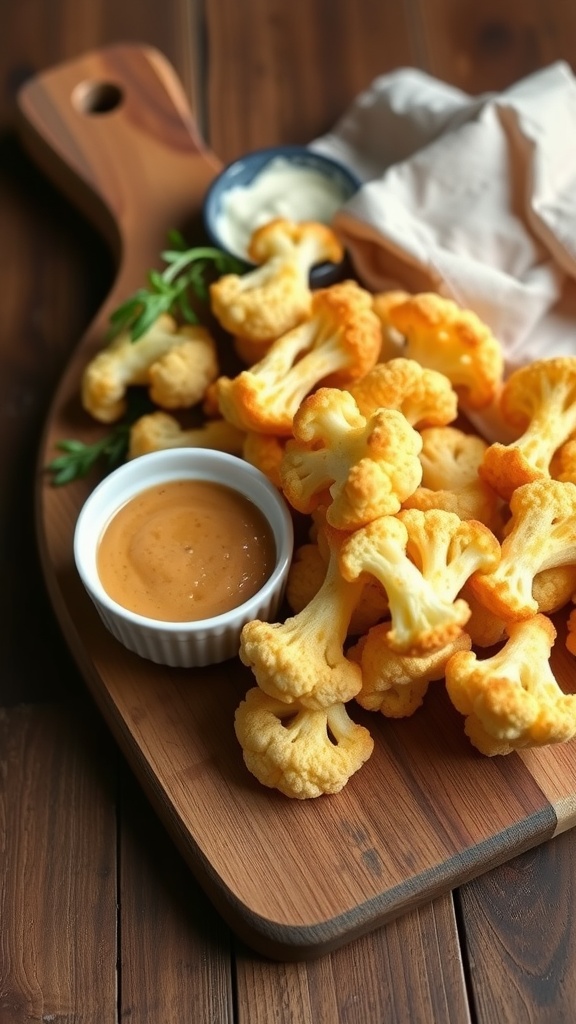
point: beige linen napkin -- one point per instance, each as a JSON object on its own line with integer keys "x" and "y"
{"x": 472, "y": 197}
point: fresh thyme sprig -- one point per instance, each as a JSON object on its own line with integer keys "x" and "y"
{"x": 186, "y": 274}
{"x": 78, "y": 458}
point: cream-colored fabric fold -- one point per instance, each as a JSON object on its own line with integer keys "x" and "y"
{"x": 473, "y": 197}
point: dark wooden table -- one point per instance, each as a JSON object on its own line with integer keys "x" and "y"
{"x": 100, "y": 920}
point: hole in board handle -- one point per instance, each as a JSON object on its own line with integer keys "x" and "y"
{"x": 97, "y": 97}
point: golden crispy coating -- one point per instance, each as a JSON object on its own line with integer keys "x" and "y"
{"x": 395, "y": 684}
{"x": 176, "y": 363}
{"x": 571, "y": 633}
{"x": 159, "y": 430}
{"x": 425, "y": 397}
{"x": 303, "y": 658}
{"x": 442, "y": 336}
{"x": 553, "y": 588}
{"x": 483, "y": 627}
{"x": 422, "y": 559}
{"x": 338, "y": 344}
{"x": 304, "y": 753}
{"x": 540, "y": 534}
{"x": 392, "y": 341}
{"x": 450, "y": 461}
{"x": 271, "y": 299}
{"x": 512, "y": 700}
{"x": 306, "y": 576}
{"x": 265, "y": 452}
{"x": 539, "y": 401}
{"x": 361, "y": 468}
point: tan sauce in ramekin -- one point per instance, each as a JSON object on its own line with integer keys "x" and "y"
{"x": 185, "y": 550}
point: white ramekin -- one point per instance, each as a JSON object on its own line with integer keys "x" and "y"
{"x": 182, "y": 644}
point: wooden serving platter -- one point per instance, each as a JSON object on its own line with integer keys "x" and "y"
{"x": 294, "y": 879}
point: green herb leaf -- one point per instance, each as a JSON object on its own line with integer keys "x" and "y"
{"x": 185, "y": 275}
{"x": 78, "y": 458}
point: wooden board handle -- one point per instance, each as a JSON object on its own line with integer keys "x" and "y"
{"x": 114, "y": 131}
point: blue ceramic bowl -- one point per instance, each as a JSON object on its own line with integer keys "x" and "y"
{"x": 242, "y": 173}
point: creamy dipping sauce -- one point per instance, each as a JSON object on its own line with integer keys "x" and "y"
{"x": 282, "y": 189}
{"x": 185, "y": 550}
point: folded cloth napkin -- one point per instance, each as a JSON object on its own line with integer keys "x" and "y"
{"x": 471, "y": 197}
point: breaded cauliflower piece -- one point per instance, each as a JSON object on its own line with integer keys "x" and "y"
{"x": 442, "y": 336}
{"x": 424, "y": 615}
{"x": 395, "y": 684}
{"x": 176, "y": 363}
{"x": 337, "y": 345}
{"x": 563, "y": 463}
{"x": 158, "y": 430}
{"x": 539, "y": 401}
{"x": 483, "y": 627}
{"x": 265, "y": 452}
{"x": 306, "y": 576}
{"x": 300, "y": 751}
{"x": 368, "y": 465}
{"x": 448, "y": 550}
{"x": 512, "y": 699}
{"x": 392, "y": 340}
{"x": 540, "y": 534}
{"x": 271, "y": 299}
{"x": 450, "y": 460}
{"x": 571, "y": 632}
{"x": 552, "y": 589}
{"x": 303, "y": 658}
{"x": 425, "y": 397}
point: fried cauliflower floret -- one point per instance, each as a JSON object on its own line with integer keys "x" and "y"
{"x": 512, "y": 699}
{"x": 159, "y": 430}
{"x": 539, "y": 401}
{"x": 392, "y": 340}
{"x": 425, "y": 397}
{"x": 563, "y": 463}
{"x": 540, "y": 534}
{"x": 552, "y": 589}
{"x": 447, "y": 550}
{"x": 303, "y": 658}
{"x": 442, "y": 336}
{"x": 306, "y": 576}
{"x": 300, "y": 751}
{"x": 425, "y": 614}
{"x": 395, "y": 684}
{"x": 368, "y": 465}
{"x": 271, "y": 299}
{"x": 337, "y": 345}
{"x": 450, "y": 460}
{"x": 483, "y": 627}
{"x": 571, "y": 632}
{"x": 265, "y": 452}
{"x": 176, "y": 363}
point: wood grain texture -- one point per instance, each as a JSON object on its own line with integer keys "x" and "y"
{"x": 58, "y": 934}
{"x": 175, "y": 951}
{"x": 340, "y": 44}
{"x": 372, "y": 979}
{"x": 455, "y": 814}
{"x": 491, "y": 45}
{"x": 56, "y": 273}
{"x": 520, "y": 938}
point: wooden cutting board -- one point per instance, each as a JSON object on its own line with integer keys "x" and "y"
{"x": 294, "y": 879}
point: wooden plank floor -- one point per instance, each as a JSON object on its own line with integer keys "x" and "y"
{"x": 100, "y": 919}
